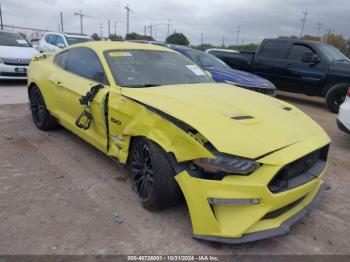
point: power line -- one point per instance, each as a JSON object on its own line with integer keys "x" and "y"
{"x": 303, "y": 21}
{"x": 26, "y": 28}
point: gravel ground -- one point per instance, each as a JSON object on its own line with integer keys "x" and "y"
{"x": 59, "y": 195}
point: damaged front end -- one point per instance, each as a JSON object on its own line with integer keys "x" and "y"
{"x": 238, "y": 208}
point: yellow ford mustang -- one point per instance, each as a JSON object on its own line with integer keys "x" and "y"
{"x": 248, "y": 165}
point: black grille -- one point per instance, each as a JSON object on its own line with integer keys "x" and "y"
{"x": 13, "y": 74}
{"x": 16, "y": 61}
{"x": 300, "y": 171}
{"x": 283, "y": 210}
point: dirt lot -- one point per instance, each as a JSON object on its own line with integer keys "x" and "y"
{"x": 58, "y": 195}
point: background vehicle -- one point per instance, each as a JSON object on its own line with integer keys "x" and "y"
{"x": 311, "y": 68}
{"x": 52, "y": 42}
{"x": 249, "y": 165}
{"x": 15, "y": 55}
{"x": 343, "y": 120}
{"x": 224, "y": 74}
{"x": 35, "y": 42}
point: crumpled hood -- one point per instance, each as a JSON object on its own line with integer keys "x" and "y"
{"x": 17, "y": 52}
{"x": 263, "y": 124}
{"x": 239, "y": 77}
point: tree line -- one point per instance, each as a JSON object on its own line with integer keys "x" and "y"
{"x": 337, "y": 40}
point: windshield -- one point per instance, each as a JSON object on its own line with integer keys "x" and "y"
{"x": 332, "y": 53}
{"x": 11, "y": 39}
{"x": 71, "y": 40}
{"x": 145, "y": 68}
{"x": 204, "y": 59}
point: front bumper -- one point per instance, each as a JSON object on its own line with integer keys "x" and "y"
{"x": 283, "y": 229}
{"x": 13, "y": 71}
{"x": 274, "y": 213}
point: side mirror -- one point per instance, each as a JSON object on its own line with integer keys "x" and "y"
{"x": 60, "y": 45}
{"x": 310, "y": 58}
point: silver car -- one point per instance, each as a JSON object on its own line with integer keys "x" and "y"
{"x": 15, "y": 55}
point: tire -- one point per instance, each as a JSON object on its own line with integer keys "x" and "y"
{"x": 152, "y": 175}
{"x": 41, "y": 116}
{"x": 336, "y": 96}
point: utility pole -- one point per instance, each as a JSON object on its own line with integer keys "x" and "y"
{"x": 330, "y": 31}
{"x": 2, "y": 26}
{"x": 81, "y": 21}
{"x": 223, "y": 41}
{"x": 319, "y": 25}
{"x": 169, "y": 24}
{"x": 128, "y": 10}
{"x": 303, "y": 20}
{"x": 61, "y": 15}
{"x": 101, "y": 30}
{"x": 150, "y": 29}
{"x": 145, "y": 30}
{"x": 237, "y": 37}
{"x": 109, "y": 28}
{"x": 201, "y": 38}
{"x": 115, "y": 28}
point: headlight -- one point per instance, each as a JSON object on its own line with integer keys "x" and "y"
{"x": 227, "y": 164}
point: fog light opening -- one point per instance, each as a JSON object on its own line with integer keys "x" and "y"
{"x": 234, "y": 202}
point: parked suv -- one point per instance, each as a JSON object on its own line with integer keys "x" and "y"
{"x": 307, "y": 67}
{"x": 15, "y": 55}
{"x": 52, "y": 42}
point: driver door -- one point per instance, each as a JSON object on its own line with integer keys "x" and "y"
{"x": 78, "y": 71}
{"x": 300, "y": 76}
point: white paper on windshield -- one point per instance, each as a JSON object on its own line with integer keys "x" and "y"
{"x": 196, "y": 70}
{"x": 21, "y": 41}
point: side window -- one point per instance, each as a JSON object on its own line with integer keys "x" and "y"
{"x": 59, "y": 40}
{"x": 275, "y": 49}
{"x": 53, "y": 39}
{"x": 61, "y": 59}
{"x": 296, "y": 53}
{"x": 48, "y": 39}
{"x": 84, "y": 62}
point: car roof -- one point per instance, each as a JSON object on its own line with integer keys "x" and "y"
{"x": 102, "y": 46}
{"x": 68, "y": 34}
{"x": 221, "y": 50}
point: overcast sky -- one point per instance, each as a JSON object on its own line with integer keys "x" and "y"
{"x": 258, "y": 19}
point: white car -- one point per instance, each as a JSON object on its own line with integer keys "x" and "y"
{"x": 52, "y": 42}
{"x": 15, "y": 55}
{"x": 343, "y": 120}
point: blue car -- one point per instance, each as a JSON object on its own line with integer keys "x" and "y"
{"x": 223, "y": 73}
